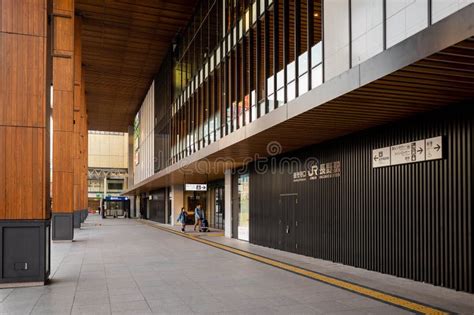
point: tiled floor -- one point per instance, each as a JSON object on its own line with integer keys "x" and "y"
{"x": 121, "y": 266}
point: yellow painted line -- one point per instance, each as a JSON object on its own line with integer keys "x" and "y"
{"x": 371, "y": 293}
{"x": 212, "y": 234}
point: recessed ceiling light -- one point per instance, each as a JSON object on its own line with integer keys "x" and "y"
{"x": 316, "y": 14}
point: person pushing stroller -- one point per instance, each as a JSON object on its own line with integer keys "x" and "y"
{"x": 199, "y": 218}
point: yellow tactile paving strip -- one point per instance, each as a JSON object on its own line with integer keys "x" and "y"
{"x": 371, "y": 293}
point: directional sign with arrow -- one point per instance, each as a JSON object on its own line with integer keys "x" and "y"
{"x": 381, "y": 157}
{"x": 434, "y": 148}
{"x": 410, "y": 152}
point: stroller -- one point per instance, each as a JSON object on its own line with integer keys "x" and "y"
{"x": 204, "y": 226}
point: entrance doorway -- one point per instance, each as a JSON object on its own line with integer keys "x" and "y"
{"x": 215, "y": 207}
{"x": 287, "y": 222}
{"x": 193, "y": 198}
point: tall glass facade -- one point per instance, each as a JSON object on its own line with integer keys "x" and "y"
{"x": 237, "y": 60}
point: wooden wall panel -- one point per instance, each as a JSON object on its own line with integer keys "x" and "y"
{"x": 78, "y": 149}
{"x": 63, "y": 6}
{"x": 63, "y": 106}
{"x": 63, "y": 74}
{"x": 23, "y": 17}
{"x": 22, "y": 80}
{"x": 62, "y": 151}
{"x": 63, "y": 110}
{"x": 22, "y": 178}
{"x": 63, "y": 41}
{"x": 24, "y": 153}
{"x": 3, "y": 168}
{"x": 63, "y": 191}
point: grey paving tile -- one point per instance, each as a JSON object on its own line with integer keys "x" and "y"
{"x": 16, "y": 307}
{"x": 103, "y": 309}
{"x": 4, "y": 293}
{"x": 300, "y": 309}
{"x": 106, "y": 272}
{"x": 126, "y": 298}
{"x": 52, "y": 309}
{"x": 139, "y": 307}
{"x": 176, "y": 308}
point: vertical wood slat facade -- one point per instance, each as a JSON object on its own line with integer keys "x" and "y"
{"x": 63, "y": 106}
{"x": 413, "y": 221}
{"x": 24, "y": 114}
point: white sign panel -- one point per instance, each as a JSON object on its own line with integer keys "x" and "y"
{"x": 434, "y": 148}
{"x": 381, "y": 157}
{"x": 196, "y": 187}
{"x": 409, "y": 152}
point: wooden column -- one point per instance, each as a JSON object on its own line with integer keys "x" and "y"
{"x": 83, "y": 133}
{"x": 78, "y": 143}
{"x": 24, "y": 141}
{"x": 63, "y": 119}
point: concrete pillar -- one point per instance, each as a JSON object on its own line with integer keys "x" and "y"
{"x": 25, "y": 81}
{"x": 63, "y": 120}
{"x": 131, "y": 153}
{"x": 228, "y": 203}
{"x": 105, "y": 187}
{"x": 177, "y": 201}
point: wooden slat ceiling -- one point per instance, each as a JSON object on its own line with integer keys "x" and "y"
{"x": 124, "y": 42}
{"x": 442, "y": 79}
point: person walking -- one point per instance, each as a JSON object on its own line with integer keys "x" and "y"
{"x": 198, "y": 216}
{"x": 182, "y": 219}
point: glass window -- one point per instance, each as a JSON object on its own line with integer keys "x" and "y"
{"x": 317, "y": 76}
{"x": 303, "y": 63}
{"x": 316, "y": 54}
{"x": 254, "y": 12}
{"x": 281, "y": 96}
{"x": 291, "y": 92}
{"x": 303, "y": 84}
{"x": 244, "y": 204}
{"x": 290, "y": 72}
{"x": 281, "y": 79}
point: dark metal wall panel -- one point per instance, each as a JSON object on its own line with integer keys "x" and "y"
{"x": 413, "y": 221}
{"x": 158, "y": 206}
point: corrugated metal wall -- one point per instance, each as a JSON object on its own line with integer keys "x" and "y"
{"x": 414, "y": 220}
